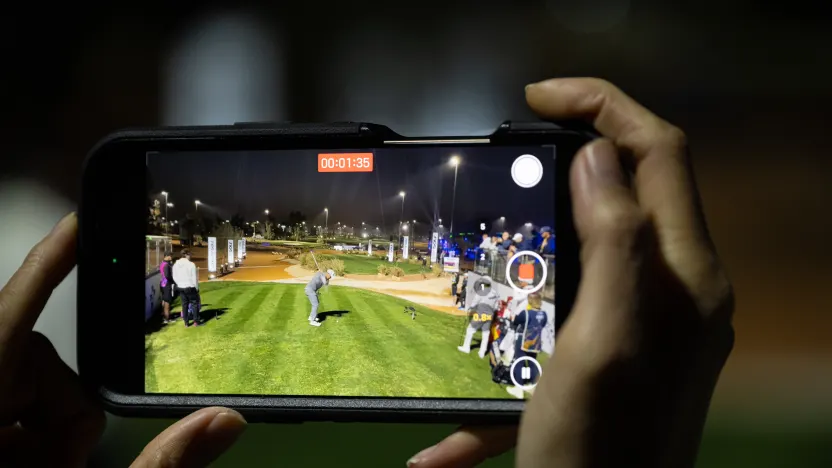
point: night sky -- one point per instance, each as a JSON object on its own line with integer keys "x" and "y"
{"x": 250, "y": 182}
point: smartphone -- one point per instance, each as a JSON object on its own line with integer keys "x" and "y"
{"x": 336, "y": 272}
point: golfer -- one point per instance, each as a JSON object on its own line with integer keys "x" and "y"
{"x": 318, "y": 281}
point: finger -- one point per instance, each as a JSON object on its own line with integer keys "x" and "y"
{"x": 615, "y": 234}
{"x": 596, "y": 181}
{"x": 663, "y": 178}
{"x": 28, "y": 290}
{"x": 602, "y": 328}
{"x": 195, "y": 441}
{"x": 56, "y": 412}
{"x": 467, "y": 447}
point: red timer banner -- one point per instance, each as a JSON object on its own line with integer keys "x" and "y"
{"x": 345, "y": 162}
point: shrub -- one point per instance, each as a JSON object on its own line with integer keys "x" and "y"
{"x": 307, "y": 262}
{"x": 437, "y": 270}
{"x": 383, "y": 269}
{"x": 397, "y": 271}
{"x": 333, "y": 264}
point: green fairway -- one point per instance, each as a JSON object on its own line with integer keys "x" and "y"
{"x": 364, "y": 265}
{"x": 263, "y": 344}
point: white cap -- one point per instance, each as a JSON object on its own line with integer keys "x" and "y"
{"x": 517, "y": 237}
{"x": 331, "y": 273}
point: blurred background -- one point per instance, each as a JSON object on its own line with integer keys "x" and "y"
{"x": 748, "y": 81}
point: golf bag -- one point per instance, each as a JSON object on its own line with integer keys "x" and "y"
{"x": 499, "y": 328}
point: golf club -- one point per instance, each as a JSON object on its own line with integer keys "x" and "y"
{"x": 315, "y": 259}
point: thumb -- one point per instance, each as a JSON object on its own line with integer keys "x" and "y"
{"x": 602, "y": 328}
{"x": 195, "y": 441}
{"x": 615, "y": 238}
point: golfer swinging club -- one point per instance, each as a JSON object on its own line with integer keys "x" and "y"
{"x": 319, "y": 280}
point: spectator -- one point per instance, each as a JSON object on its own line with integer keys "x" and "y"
{"x": 521, "y": 242}
{"x": 528, "y": 325}
{"x": 546, "y": 244}
{"x": 454, "y": 284}
{"x": 486, "y": 242}
{"x": 187, "y": 282}
{"x": 504, "y": 243}
{"x": 463, "y": 292}
{"x": 166, "y": 286}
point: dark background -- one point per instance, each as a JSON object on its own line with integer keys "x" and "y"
{"x": 748, "y": 81}
{"x": 246, "y": 183}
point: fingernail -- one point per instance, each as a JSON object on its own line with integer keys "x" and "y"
{"x": 530, "y": 85}
{"x": 420, "y": 457}
{"x": 222, "y": 422}
{"x": 63, "y": 223}
{"x": 603, "y": 165}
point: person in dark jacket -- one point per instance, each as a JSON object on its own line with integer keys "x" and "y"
{"x": 166, "y": 285}
{"x": 545, "y": 244}
{"x": 504, "y": 243}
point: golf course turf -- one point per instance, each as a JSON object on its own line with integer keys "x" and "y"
{"x": 263, "y": 344}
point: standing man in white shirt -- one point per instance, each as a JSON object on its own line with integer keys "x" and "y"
{"x": 187, "y": 282}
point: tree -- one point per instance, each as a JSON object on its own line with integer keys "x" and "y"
{"x": 238, "y": 221}
{"x": 268, "y": 231}
{"x": 206, "y": 224}
{"x": 154, "y": 220}
{"x": 296, "y": 217}
{"x": 187, "y": 229}
{"x": 225, "y": 231}
{"x": 296, "y": 220}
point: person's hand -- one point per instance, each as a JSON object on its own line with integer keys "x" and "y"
{"x": 46, "y": 418}
{"x": 638, "y": 358}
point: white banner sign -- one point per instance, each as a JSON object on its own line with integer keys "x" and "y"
{"x": 405, "y": 246}
{"x": 390, "y": 253}
{"x": 212, "y": 254}
{"x": 241, "y": 247}
{"x": 451, "y": 264}
{"x": 434, "y": 247}
{"x": 231, "y": 251}
{"x": 369, "y": 247}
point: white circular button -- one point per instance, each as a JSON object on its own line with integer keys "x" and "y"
{"x": 525, "y": 375}
{"x": 527, "y": 171}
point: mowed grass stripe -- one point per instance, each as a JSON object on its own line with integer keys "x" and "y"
{"x": 365, "y": 369}
{"x": 216, "y": 338}
{"x": 428, "y": 369}
{"x": 239, "y": 336}
{"x": 314, "y": 350}
{"x": 265, "y": 350}
{"x": 204, "y": 348}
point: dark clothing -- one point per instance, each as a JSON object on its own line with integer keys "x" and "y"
{"x": 548, "y": 249}
{"x": 167, "y": 293}
{"x": 460, "y": 299}
{"x": 166, "y": 283}
{"x": 190, "y": 305}
{"x": 529, "y": 326}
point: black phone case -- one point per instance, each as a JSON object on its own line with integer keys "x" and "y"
{"x": 300, "y": 409}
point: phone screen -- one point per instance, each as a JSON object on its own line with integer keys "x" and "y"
{"x": 407, "y": 272}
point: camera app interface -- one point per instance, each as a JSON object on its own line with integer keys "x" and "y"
{"x": 418, "y": 272}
